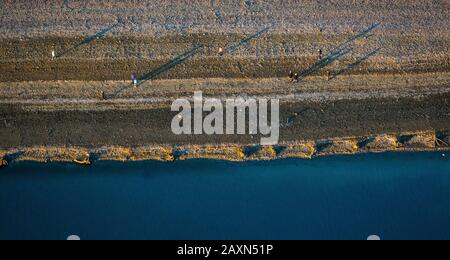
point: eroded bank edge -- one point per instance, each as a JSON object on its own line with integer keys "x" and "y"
{"x": 408, "y": 141}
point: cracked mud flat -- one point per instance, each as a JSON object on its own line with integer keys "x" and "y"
{"x": 83, "y": 99}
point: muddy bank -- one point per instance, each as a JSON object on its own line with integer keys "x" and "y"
{"x": 300, "y": 121}
{"x": 369, "y": 70}
{"x": 419, "y": 141}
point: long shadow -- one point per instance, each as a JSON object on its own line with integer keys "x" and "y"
{"x": 338, "y": 52}
{"x": 92, "y": 38}
{"x": 355, "y": 64}
{"x": 171, "y": 64}
{"x": 236, "y": 46}
{"x": 357, "y": 36}
{"x": 325, "y": 62}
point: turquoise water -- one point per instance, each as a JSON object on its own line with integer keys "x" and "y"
{"x": 394, "y": 196}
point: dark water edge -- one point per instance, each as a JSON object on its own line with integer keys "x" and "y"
{"x": 393, "y": 195}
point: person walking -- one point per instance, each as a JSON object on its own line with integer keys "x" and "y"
{"x": 134, "y": 80}
{"x": 291, "y": 74}
{"x": 221, "y": 52}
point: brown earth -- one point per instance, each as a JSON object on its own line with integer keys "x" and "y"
{"x": 82, "y": 98}
{"x": 266, "y": 57}
{"x": 310, "y": 120}
{"x": 413, "y": 37}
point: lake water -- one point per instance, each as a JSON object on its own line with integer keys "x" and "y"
{"x": 392, "y": 195}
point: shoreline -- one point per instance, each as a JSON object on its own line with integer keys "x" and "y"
{"x": 370, "y": 73}
{"x": 406, "y": 142}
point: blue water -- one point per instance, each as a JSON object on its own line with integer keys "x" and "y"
{"x": 394, "y": 196}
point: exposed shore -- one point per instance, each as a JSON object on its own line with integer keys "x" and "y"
{"x": 422, "y": 141}
{"x": 386, "y": 88}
